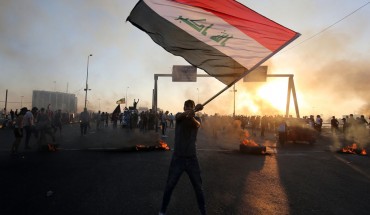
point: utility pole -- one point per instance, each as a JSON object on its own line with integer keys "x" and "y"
{"x": 234, "y": 91}
{"x": 87, "y": 77}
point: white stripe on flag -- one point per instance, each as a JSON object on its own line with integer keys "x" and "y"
{"x": 212, "y": 30}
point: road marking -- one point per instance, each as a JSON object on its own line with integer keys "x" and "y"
{"x": 355, "y": 168}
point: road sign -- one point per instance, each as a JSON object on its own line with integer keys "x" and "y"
{"x": 257, "y": 75}
{"x": 184, "y": 73}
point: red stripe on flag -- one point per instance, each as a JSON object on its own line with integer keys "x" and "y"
{"x": 265, "y": 31}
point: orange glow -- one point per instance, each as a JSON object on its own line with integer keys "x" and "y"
{"x": 164, "y": 145}
{"x": 274, "y": 92}
{"x": 350, "y": 149}
{"x": 245, "y": 101}
{"x": 353, "y": 149}
{"x": 247, "y": 141}
{"x": 267, "y": 98}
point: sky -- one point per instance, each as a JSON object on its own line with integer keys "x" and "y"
{"x": 45, "y": 44}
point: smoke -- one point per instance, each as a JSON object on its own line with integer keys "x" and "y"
{"x": 330, "y": 74}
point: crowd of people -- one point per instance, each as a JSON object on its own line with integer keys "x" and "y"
{"x": 43, "y": 124}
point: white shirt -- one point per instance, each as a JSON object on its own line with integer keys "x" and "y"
{"x": 28, "y": 119}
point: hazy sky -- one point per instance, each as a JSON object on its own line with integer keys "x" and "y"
{"x": 44, "y": 45}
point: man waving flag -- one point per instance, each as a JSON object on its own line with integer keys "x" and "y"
{"x": 222, "y": 37}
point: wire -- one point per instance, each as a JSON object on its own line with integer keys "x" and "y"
{"x": 325, "y": 29}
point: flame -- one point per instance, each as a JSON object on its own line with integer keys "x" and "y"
{"x": 353, "y": 149}
{"x": 350, "y": 149}
{"x": 164, "y": 145}
{"x": 247, "y": 141}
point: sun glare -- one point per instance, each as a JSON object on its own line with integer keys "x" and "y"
{"x": 275, "y": 93}
{"x": 246, "y": 104}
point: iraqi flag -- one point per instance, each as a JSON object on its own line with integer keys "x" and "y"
{"x": 222, "y": 37}
{"x": 117, "y": 110}
{"x": 121, "y": 101}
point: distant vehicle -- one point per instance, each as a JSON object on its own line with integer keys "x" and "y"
{"x": 298, "y": 130}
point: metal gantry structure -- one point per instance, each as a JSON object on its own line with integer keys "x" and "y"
{"x": 291, "y": 91}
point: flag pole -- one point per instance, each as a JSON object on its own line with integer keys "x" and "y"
{"x": 253, "y": 68}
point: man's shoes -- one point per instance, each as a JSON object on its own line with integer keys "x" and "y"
{"x": 27, "y": 147}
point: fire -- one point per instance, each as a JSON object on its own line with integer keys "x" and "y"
{"x": 350, "y": 149}
{"x": 247, "y": 141}
{"x": 164, "y": 145}
{"x": 353, "y": 149}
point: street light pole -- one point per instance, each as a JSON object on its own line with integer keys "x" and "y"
{"x": 126, "y": 97}
{"x": 21, "y": 102}
{"x": 87, "y": 77}
{"x": 234, "y": 100}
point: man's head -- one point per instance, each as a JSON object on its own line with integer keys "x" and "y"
{"x": 189, "y": 105}
{"x": 23, "y": 110}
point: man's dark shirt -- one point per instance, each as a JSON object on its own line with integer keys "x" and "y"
{"x": 334, "y": 122}
{"x": 185, "y": 137}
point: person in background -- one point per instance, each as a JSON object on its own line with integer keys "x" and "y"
{"x": 282, "y": 129}
{"x": 171, "y": 118}
{"x": 12, "y": 115}
{"x": 98, "y": 120}
{"x": 84, "y": 121}
{"x": 164, "y": 119}
{"x": 18, "y": 132}
{"x": 135, "y": 103}
{"x": 27, "y": 126}
{"x": 345, "y": 126}
{"x": 35, "y": 131}
{"x": 57, "y": 122}
{"x": 318, "y": 123}
{"x": 264, "y": 125}
{"x": 45, "y": 128}
{"x": 334, "y": 125}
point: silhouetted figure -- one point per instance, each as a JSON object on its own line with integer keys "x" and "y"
{"x": 27, "y": 125}
{"x": 264, "y": 124}
{"x": 135, "y": 103}
{"x": 184, "y": 158}
{"x": 334, "y": 125}
{"x": 12, "y": 115}
{"x": 84, "y": 121}
{"x": 18, "y": 133}
{"x": 318, "y": 123}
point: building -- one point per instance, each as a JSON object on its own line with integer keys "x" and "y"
{"x": 65, "y": 101}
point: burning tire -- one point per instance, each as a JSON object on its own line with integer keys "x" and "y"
{"x": 247, "y": 149}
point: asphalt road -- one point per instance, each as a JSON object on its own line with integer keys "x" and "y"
{"x": 96, "y": 174}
